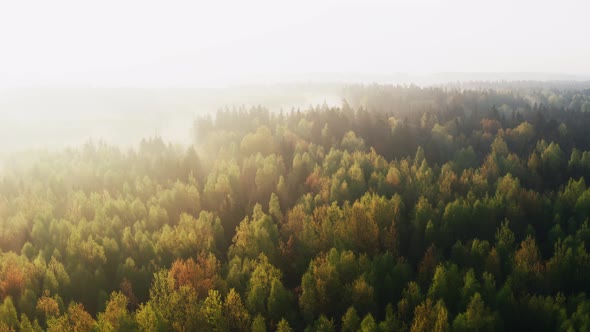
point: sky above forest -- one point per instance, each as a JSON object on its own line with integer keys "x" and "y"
{"x": 219, "y": 43}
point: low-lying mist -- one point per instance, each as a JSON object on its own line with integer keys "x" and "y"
{"x": 53, "y": 118}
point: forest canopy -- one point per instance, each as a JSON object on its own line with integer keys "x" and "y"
{"x": 404, "y": 209}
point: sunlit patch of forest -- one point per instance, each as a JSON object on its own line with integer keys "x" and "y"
{"x": 405, "y": 209}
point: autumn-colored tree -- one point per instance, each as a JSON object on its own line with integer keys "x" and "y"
{"x": 528, "y": 266}
{"x": 430, "y": 317}
{"x": 12, "y": 277}
{"x": 200, "y": 275}
{"x": 74, "y": 319}
{"x": 48, "y": 306}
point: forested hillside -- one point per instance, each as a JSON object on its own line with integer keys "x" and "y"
{"x": 405, "y": 209}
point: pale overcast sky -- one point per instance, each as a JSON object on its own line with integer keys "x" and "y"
{"x": 211, "y": 43}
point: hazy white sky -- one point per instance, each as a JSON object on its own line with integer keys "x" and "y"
{"x": 172, "y": 43}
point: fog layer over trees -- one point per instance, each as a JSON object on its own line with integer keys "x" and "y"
{"x": 456, "y": 208}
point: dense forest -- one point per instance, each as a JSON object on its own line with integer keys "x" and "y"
{"x": 406, "y": 209}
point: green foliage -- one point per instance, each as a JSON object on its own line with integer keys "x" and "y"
{"x": 258, "y": 235}
{"x": 238, "y": 318}
{"x": 283, "y": 326}
{"x": 476, "y": 318}
{"x": 408, "y": 208}
{"x": 260, "y": 288}
{"x": 213, "y": 312}
{"x": 8, "y": 314}
{"x": 116, "y": 316}
{"x": 350, "y": 321}
{"x": 258, "y": 324}
{"x": 323, "y": 324}
{"x": 368, "y": 324}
